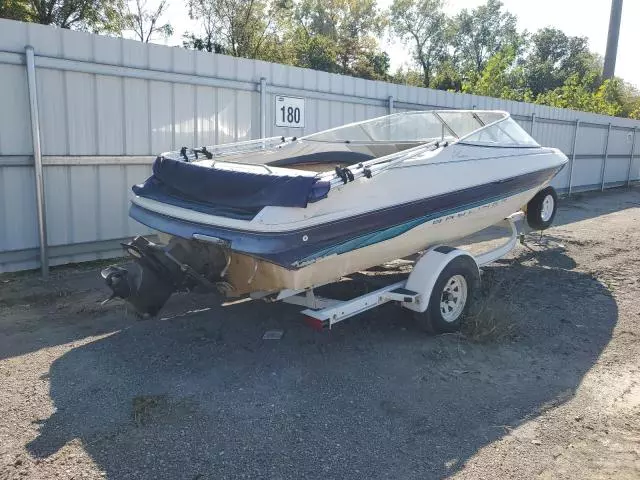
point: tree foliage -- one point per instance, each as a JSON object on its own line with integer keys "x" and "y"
{"x": 100, "y": 16}
{"x": 339, "y": 36}
{"x": 500, "y": 79}
{"x": 15, "y": 10}
{"x": 478, "y": 51}
{"x": 554, "y": 57}
{"x": 145, "y": 21}
{"x": 482, "y": 53}
{"x": 423, "y": 25}
{"x": 483, "y": 32}
{"x": 573, "y": 94}
{"x": 242, "y": 28}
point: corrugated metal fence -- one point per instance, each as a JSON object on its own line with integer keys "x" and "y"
{"x": 108, "y": 105}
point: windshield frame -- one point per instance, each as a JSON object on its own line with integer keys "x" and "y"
{"x": 449, "y": 133}
{"x": 465, "y": 139}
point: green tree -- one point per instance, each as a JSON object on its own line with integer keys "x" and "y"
{"x": 553, "y": 57}
{"x": 205, "y": 13}
{"x": 242, "y": 28}
{"x": 93, "y": 15}
{"x": 411, "y": 77}
{"x": 448, "y": 76}
{"x": 317, "y": 52}
{"x": 500, "y": 78}
{"x": 575, "y": 95}
{"x": 372, "y": 65}
{"x": 145, "y": 22}
{"x": 15, "y": 10}
{"x": 483, "y": 32}
{"x": 619, "y": 92}
{"x": 423, "y": 25}
{"x": 347, "y": 28}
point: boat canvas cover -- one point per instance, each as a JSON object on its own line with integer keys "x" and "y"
{"x": 228, "y": 187}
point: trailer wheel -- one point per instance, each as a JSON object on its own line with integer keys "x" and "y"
{"x": 541, "y": 209}
{"x": 451, "y": 297}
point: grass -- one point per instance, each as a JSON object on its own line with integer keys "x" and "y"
{"x": 492, "y": 316}
{"x": 490, "y": 321}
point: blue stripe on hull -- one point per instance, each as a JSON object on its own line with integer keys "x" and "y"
{"x": 289, "y": 248}
{"x": 388, "y": 233}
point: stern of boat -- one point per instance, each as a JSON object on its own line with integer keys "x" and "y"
{"x": 157, "y": 270}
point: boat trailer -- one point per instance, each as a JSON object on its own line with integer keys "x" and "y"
{"x": 439, "y": 289}
{"x": 436, "y": 287}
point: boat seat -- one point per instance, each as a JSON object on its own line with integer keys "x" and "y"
{"x": 323, "y": 159}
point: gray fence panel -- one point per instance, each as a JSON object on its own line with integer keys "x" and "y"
{"x": 634, "y": 170}
{"x": 107, "y": 106}
{"x": 616, "y": 171}
{"x": 15, "y": 128}
{"x": 620, "y": 141}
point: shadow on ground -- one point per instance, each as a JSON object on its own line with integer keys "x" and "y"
{"x": 203, "y": 396}
{"x": 586, "y": 205}
{"x": 62, "y": 299}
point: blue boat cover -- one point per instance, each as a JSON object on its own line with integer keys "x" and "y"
{"x": 228, "y": 188}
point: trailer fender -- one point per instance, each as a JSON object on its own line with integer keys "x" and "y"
{"x": 426, "y": 271}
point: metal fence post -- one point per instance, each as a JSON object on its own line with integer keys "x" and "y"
{"x": 533, "y": 123}
{"x": 390, "y": 105}
{"x": 37, "y": 160}
{"x": 633, "y": 147}
{"x": 573, "y": 155}
{"x": 263, "y": 107}
{"x": 606, "y": 155}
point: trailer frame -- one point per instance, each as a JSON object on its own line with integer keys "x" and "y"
{"x": 414, "y": 293}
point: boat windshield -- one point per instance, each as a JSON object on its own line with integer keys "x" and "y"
{"x": 400, "y": 127}
{"x": 506, "y": 133}
{"x": 470, "y": 126}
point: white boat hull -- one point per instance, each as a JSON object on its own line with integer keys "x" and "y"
{"x": 248, "y": 274}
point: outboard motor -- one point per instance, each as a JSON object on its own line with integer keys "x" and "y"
{"x": 140, "y": 286}
{"x": 158, "y": 271}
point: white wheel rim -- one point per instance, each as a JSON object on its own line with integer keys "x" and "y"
{"x": 547, "y": 208}
{"x": 453, "y": 298}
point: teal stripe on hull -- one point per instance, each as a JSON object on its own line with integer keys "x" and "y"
{"x": 391, "y": 232}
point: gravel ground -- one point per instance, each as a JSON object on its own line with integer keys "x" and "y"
{"x": 547, "y": 387}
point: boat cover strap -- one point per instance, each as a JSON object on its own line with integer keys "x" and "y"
{"x": 231, "y": 188}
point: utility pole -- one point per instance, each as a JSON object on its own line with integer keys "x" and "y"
{"x": 612, "y": 39}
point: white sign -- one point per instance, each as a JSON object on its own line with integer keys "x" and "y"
{"x": 289, "y": 112}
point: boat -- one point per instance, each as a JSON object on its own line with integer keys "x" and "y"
{"x": 287, "y": 214}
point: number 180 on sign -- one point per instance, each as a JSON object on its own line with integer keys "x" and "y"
{"x": 289, "y": 112}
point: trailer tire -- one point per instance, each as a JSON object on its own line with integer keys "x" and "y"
{"x": 541, "y": 209}
{"x": 451, "y": 297}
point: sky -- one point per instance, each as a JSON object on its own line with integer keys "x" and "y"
{"x": 588, "y": 18}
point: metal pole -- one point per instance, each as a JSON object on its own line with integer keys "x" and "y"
{"x": 606, "y": 155}
{"x": 633, "y": 147}
{"x": 612, "y": 39}
{"x": 573, "y": 155}
{"x": 263, "y": 108}
{"x": 533, "y": 123}
{"x": 37, "y": 160}
{"x": 391, "y": 102}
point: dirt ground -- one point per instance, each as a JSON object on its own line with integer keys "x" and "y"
{"x": 546, "y": 387}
